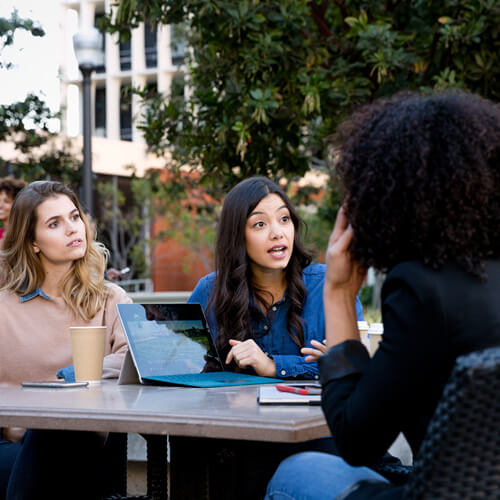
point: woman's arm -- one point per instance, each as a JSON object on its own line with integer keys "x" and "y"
{"x": 117, "y": 344}
{"x": 343, "y": 280}
{"x": 367, "y": 402}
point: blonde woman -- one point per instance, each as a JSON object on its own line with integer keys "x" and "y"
{"x": 54, "y": 279}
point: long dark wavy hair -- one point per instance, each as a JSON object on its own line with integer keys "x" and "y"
{"x": 422, "y": 180}
{"x": 234, "y": 297}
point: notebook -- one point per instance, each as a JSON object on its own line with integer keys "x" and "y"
{"x": 169, "y": 345}
{"x": 270, "y": 394}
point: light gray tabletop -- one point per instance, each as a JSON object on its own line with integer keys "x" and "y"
{"x": 226, "y": 413}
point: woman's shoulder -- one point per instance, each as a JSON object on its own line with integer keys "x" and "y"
{"x": 207, "y": 282}
{"x": 415, "y": 271}
{"x": 203, "y": 289}
{"x": 8, "y": 296}
{"x": 423, "y": 280}
{"x": 117, "y": 294}
{"x": 315, "y": 270}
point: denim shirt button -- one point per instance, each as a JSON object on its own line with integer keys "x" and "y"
{"x": 283, "y": 372}
{"x": 316, "y": 377}
{"x": 275, "y": 308}
{"x": 266, "y": 327}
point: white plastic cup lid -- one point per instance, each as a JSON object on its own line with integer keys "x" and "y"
{"x": 376, "y": 328}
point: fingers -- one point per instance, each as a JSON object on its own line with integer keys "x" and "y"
{"x": 340, "y": 226}
{"x": 310, "y": 351}
{"x": 311, "y": 354}
{"x": 321, "y": 346}
{"x": 315, "y": 352}
{"x": 340, "y": 241}
{"x": 246, "y": 353}
{"x": 230, "y": 355}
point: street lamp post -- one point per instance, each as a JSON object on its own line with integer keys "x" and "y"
{"x": 87, "y": 45}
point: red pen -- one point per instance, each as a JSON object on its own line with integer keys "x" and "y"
{"x": 305, "y": 391}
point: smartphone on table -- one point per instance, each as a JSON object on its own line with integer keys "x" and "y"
{"x": 54, "y": 384}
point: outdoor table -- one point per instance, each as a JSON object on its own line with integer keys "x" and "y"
{"x": 195, "y": 420}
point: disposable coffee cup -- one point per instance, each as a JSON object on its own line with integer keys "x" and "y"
{"x": 87, "y": 343}
{"x": 363, "y": 333}
{"x": 375, "y": 333}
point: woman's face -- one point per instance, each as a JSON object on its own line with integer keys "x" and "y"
{"x": 59, "y": 232}
{"x": 269, "y": 234}
{"x": 6, "y": 202}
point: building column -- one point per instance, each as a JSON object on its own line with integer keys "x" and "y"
{"x": 137, "y": 81}
{"x": 113, "y": 108}
{"x": 137, "y": 48}
{"x": 164, "y": 50}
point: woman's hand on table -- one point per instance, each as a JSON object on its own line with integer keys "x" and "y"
{"x": 315, "y": 352}
{"x": 248, "y": 353}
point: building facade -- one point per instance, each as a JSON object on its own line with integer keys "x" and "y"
{"x": 151, "y": 59}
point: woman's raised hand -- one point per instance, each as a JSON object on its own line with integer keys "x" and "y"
{"x": 248, "y": 353}
{"x": 315, "y": 352}
{"x": 342, "y": 273}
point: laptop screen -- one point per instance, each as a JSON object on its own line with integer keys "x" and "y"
{"x": 167, "y": 339}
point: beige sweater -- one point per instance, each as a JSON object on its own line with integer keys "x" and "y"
{"x": 35, "y": 341}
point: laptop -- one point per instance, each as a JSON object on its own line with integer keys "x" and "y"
{"x": 170, "y": 344}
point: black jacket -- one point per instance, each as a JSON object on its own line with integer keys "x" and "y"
{"x": 430, "y": 318}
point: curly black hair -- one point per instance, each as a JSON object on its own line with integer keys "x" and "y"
{"x": 421, "y": 176}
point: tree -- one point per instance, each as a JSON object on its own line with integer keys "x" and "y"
{"x": 25, "y": 124}
{"x": 8, "y": 28}
{"x": 128, "y": 243}
{"x": 268, "y": 81}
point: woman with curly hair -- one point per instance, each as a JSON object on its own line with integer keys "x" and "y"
{"x": 54, "y": 279}
{"x": 264, "y": 301}
{"x": 9, "y": 187}
{"x": 422, "y": 202}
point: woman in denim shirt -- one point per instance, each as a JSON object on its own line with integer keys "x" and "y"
{"x": 264, "y": 303}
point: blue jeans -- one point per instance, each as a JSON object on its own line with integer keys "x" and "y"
{"x": 315, "y": 476}
{"x": 52, "y": 464}
{"x": 8, "y": 455}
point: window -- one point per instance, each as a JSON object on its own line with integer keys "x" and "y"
{"x": 125, "y": 114}
{"x": 177, "y": 88}
{"x": 125, "y": 56}
{"x": 100, "y": 111}
{"x": 150, "y": 44}
{"x": 177, "y": 43}
{"x": 102, "y": 68}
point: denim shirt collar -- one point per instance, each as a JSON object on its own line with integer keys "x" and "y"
{"x": 35, "y": 293}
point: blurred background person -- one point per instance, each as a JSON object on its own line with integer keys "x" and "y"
{"x": 9, "y": 187}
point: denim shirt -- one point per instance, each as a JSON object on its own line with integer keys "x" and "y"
{"x": 271, "y": 334}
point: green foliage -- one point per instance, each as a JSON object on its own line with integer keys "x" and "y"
{"x": 269, "y": 81}
{"x": 25, "y": 124}
{"x": 129, "y": 245}
{"x": 365, "y": 295}
{"x": 8, "y": 28}
{"x": 372, "y": 315}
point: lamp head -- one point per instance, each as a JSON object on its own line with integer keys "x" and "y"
{"x": 87, "y": 44}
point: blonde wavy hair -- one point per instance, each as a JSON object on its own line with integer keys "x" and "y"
{"x": 83, "y": 286}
